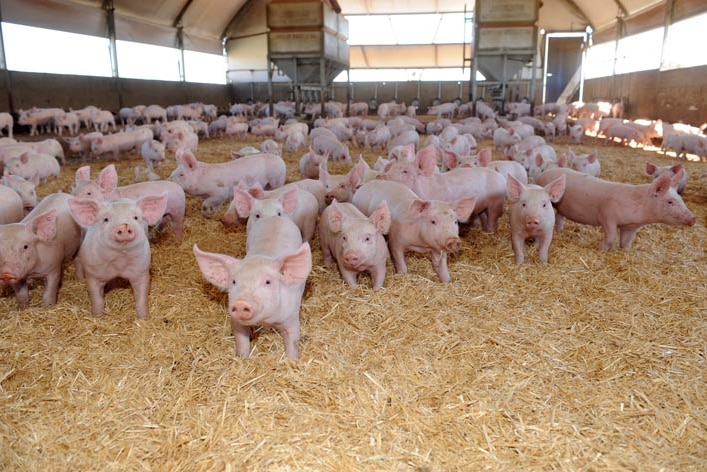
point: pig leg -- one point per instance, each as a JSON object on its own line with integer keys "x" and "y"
{"x": 51, "y": 288}
{"x": 493, "y": 213}
{"x": 518, "y": 243}
{"x": 559, "y": 222}
{"x": 397, "y": 253}
{"x": 241, "y": 335}
{"x": 290, "y": 334}
{"x": 141, "y": 290}
{"x": 21, "y": 294}
{"x": 326, "y": 255}
{"x": 350, "y": 277}
{"x": 610, "y": 233}
{"x": 377, "y": 277}
{"x": 439, "y": 262}
{"x": 95, "y": 294}
{"x": 543, "y": 245}
{"x": 627, "y": 235}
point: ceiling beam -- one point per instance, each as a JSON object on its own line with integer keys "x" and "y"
{"x": 621, "y": 6}
{"x": 577, "y": 9}
{"x": 178, "y": 20}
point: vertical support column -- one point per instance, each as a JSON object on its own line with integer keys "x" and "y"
{"x": 348, "y": 92}
{"x": 322, "y": 83}
{"x": 668, "y": 23}
{"x": 619, "y": 35}
{"x": 110, "y": 21}
{"x": 3, "y": 66}
{"x": 270, "y": 90}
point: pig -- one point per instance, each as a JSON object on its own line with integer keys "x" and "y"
{"x": 483, "y": 159}
{"x": 504, "y": 139}
{"x": 238, "y": 129}
{"x": 68, "y": 120}
{"x": 152, "y": 151}
{"x": 115, "y": 245}
{"x": 48, "y": 146}
{"x": 144, "y": 173}
{"x": 618, "y": 207}
{"x": 355, "y": 241}
{"x": 295, "y": 141}
{"x": 378, "y": 138}
{"x": 337, "y": 151}
{"x": 6, "y": 122}
{"x": 625, "y": 134}
{"x": 309, "y": 164}
{"x": 315, "y": 187}
{"x": 340, "y": 187}
{"x": 655, "y": 171}
{"x": 265, "y": 288}
{"x": 576, "y": 134}
{"x": 532, "y": 216}
{"x": 487, "y": 185}
{"x": 429, "y": 227}
{"x": 296, "y": 204}
{"x": 154, "y": 113}
{"x": 33, "y": 165}
{"x": 81, "y": 144}
{"x": 25, "y": 188}
{"x": 585, "y": 163}
{"x": 36, "y": 248}
{"x": 11, "y": 208}
{"x": 102, "y": 120}
{"x": 271, "y": 147}
{"x": 105, "y": 187}
{"x": 406, "y": 138}
{"x": 215, "y": 181}
{"x": 182, "y": 140}
{"x": 684, "y": 143}
{"x": 541, "y": 162}
{"x": 116, "y": 143}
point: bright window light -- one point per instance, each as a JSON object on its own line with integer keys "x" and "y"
{"x": 600, "y": 60}
{"x": 686, "y": 42}
{"x": 445, "y": 28}
{"x": 145, "y": 61}
{"x": 31, "y": 49}
{"x": 204, "y": 68}
{"x": 639, "y": 51}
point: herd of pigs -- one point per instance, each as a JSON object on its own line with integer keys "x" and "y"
{"x": 431, "y": 178}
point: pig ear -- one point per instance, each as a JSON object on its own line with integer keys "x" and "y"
{"x": 24, "y": 158}
{"x": 556, "y": 189}
{"x": 34, "y": 179}
{"x": 450, "y": 159}
{"x": 323, "y": 172}
{"x": 562, "y": 160}
{"x": 464, "y": 208}
{"x": 336, "y": 218}
{"x": 362, "y": 162}
{"x": 514, "y": 188}
{"x": 651, "y": 168}
{"x": 676, "y": 168}
{"x": 256, "y": 190}
{"x": 381, "y": 218}
{"x": 84, "y": 210}
{"x": 289, "y": 200}
{"x": 153, "y": 207}
{"x": 243, "y": 201}
{"x": 418, "y": 207}
{"x": 189, "y": 160}
{"x": 296, "y": 267}
{"x": 677, "y": 177}
{"x": 83, "y": 174}
{"x": 539, "y": 160}
{"x": 44, "y": 225}
{"x": 426, "y": 164}
{"x": 216, "y": 268}
{"x": 484, "y": 157}
{"x": 592, "y": 158}
{"x": 108, "y": 178}
{"x": 661, "y": 184}
{"x": 355, "y": 175}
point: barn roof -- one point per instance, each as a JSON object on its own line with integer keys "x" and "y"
{"x": 205, "y": 23}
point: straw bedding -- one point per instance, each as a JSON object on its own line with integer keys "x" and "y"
{"x": 594, "y": 362}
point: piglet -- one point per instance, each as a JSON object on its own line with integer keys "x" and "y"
{"x": 265, "y": 288}
{"x": 25, "y": 188}
{"x": 11, "y": 208}
{"x": 152, "y": 151}
{"x": 531, "y": 215}
{"x": 33, "y": 165}
{"x": 355, "y": 241}
{"x": 309, "y": 164}
{"x": 655, "y": 171}
{"x": 429, "y": 227}
{"x": 115, "y": 245}
{"x": 340, "y": 187}
{"x": 37, "y": 246}
{"x": 618, "y": 207}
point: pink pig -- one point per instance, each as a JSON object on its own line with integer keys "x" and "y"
{"x": 37, "y": 246}
{"x": 106, "y": 188}
{"x": 655, "y": 171}
{"x": 340, "y": 187}
{"x": 429, "y": 227}
{"x": 355, "y": 241}
{"x": 309, "y": 164}
{"x": 532, "y": 216}
{"x": 26, "y": 189}
{"x": 265, "y": 288}
{"x": 11, "y": 208}
{"x": 487, "y": 185}
{"x": 115, "y": 245}
{"x": 618, "y": 207}
{"x": 297, "y": 204}
{"x": 215, "y": 182}
{"x": 33, "y": 165}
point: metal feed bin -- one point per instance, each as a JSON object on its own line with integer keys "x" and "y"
{"x": 306, "y": 41}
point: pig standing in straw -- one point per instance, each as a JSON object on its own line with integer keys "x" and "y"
{"x": 116, "y": 245}
{"x": 265, "y": 288}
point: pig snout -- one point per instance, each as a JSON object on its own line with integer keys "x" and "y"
{"x": 328, "y": 198}
{"x": 532, "y": 223}
{"x": 242, "y": 310}
{"x": 453, "y": 245}
{"x": 352, "y": 258}
{"x": 124, "y": 233}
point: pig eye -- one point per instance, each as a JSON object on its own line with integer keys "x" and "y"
{"x": 135, "y": 218}
{"x": 343, "y": 238}
{"x": 267, "y": 282}
{"x": 368, "y": 239}
{"x": 257, "y": 215}
{"x": 25, "y": 247}
{"x": 523, "y": 204}
{"x": 671, "y": 202}
{"x": 279, "y": 213}
{"x": 434, "y": 222}
{"x": 105, "y": 220}
{"x": 233, "y": 282}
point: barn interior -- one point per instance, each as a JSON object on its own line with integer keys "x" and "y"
{"x": 595, "y": 361}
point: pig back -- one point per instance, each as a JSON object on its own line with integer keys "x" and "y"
{"x": 370, "y": 195}
{"x": 272, "y": 236}
{"x": 68, "y": 237}
{"x": 11, "y": 208}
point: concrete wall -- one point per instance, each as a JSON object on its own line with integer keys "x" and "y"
{"x": 673, "y": 95}
{"x": 19, "y": 90}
